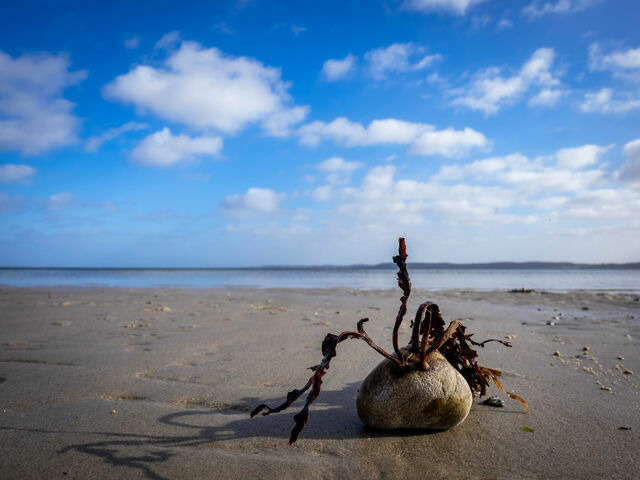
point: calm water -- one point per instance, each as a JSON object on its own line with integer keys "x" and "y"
{"x": 548, "y": 279}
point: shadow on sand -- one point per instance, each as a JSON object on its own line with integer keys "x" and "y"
{"x": 333, "y": 416}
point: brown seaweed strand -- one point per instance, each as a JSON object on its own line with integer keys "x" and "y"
{"x": 405, "y": 284}
{"x": 481, "y": 344}
{"x": 292, "y": 396}
{"x": 417, "y": 326}
{"x": 329, "y": 345}
{"x": 437, "y": 343}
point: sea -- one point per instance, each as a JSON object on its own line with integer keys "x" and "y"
{"x": 548, "y": 279}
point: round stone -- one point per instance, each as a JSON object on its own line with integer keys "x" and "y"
{"x": 437, "y": 398}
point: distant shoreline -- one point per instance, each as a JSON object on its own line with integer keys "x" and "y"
{"x": 379, "y": 266}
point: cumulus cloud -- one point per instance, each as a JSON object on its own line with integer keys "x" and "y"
{"x": 457, "y": 7}
{"x": 422, "y": 138}
{"x": 34, "y": 116}
{"x": 490, "y": 90}
{"x": 15, "y": 173}
{"x": 338, "y": 170}
{"x": 548, "y": 97}
{"x": 572, "y": 183}
{"x": 539, "y": 8}
{"x": 334, "y": 69}
{"x": 163, "y": 149}
{"x": 630, "y": 170}
{"x": 92, "y": 144}
{"x": 204, "y": 88}
{"x": 398, "y": 58}
{"x": 255, "y": 202}
{"x": 622, "y": 63}
{"x": 603, "y": 101}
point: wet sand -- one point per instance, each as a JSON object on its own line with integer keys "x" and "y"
{"x": 158, "y": 383}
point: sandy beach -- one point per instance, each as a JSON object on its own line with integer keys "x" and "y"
{"x": 158, "y": 384}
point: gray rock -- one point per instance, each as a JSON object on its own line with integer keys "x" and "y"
{"x": 438, "y": 398}
{"x": 494, "y": 401}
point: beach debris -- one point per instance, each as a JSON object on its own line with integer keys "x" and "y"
{"x": 624, "y": 427}
{"x": 521, "y": 290}
{"x": 510, "y": 336}
{"x": 606, "y": 389}
{"x": 527, "y": 429}
{"x": 437, "y": 370}
{"x": 494, "y": 401}
{"x": 163, "y": 308}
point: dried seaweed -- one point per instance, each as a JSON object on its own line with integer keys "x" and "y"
{"x": 428, "y": 335}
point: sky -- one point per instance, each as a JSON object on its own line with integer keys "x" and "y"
{"x": 252, "y": 133}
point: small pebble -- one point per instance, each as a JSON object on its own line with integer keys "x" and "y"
{"x": 556, "y": 354}
{"x": 585, "y": 308}
{"x": 585, "y": 348}
{"x": 607, "y": 389}
{"x": 620, "y": 357}
{"x": 114, "y": 411}
{"x": 628, "y": 372}
{"x": 494, "y": 401}
{"x": 551, "y": 323}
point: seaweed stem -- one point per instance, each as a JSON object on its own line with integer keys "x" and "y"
{"x": 417, "y": 326}
{"x": 425, "y": 353}
{"x": 405, "y": 284}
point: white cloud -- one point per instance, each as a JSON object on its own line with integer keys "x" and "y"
{"x": 603, "y": 102}
{"x": 398, "y": 58}
{"x": 204, "y": 88}
{"x": 449, "y": 142}
{"x": 630, "y": 170}
{"x": 34, "y": 116}
{"x": 580, "y": 157}
{"x": 15, "y": 173}
{"x": 548, "y": 97}
{"x": 623, "y": 63}
{"x": 333, "y": 69}
{"x": 279, "y": 124}
{"x": 92, "y": 144}
{"x": 504, "y": 24}
{"x": 338, "y": 170}
{"x": 572, "y": 183}
{"x": 539, "y": 8}
{"x": 489, "y": 91}
{"x": 162, "y": 149}
{"x": 458, "y": 7}
{"x": 257, "y": 201}
{"x": 422, "y": 138}
{"x": 168, "y": 41}
{"x": 61, "y": 201}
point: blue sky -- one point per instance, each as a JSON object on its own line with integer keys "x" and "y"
{"x": 249, "y": 132}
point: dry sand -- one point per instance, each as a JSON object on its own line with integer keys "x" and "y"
{"x": 157, "y": 383}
